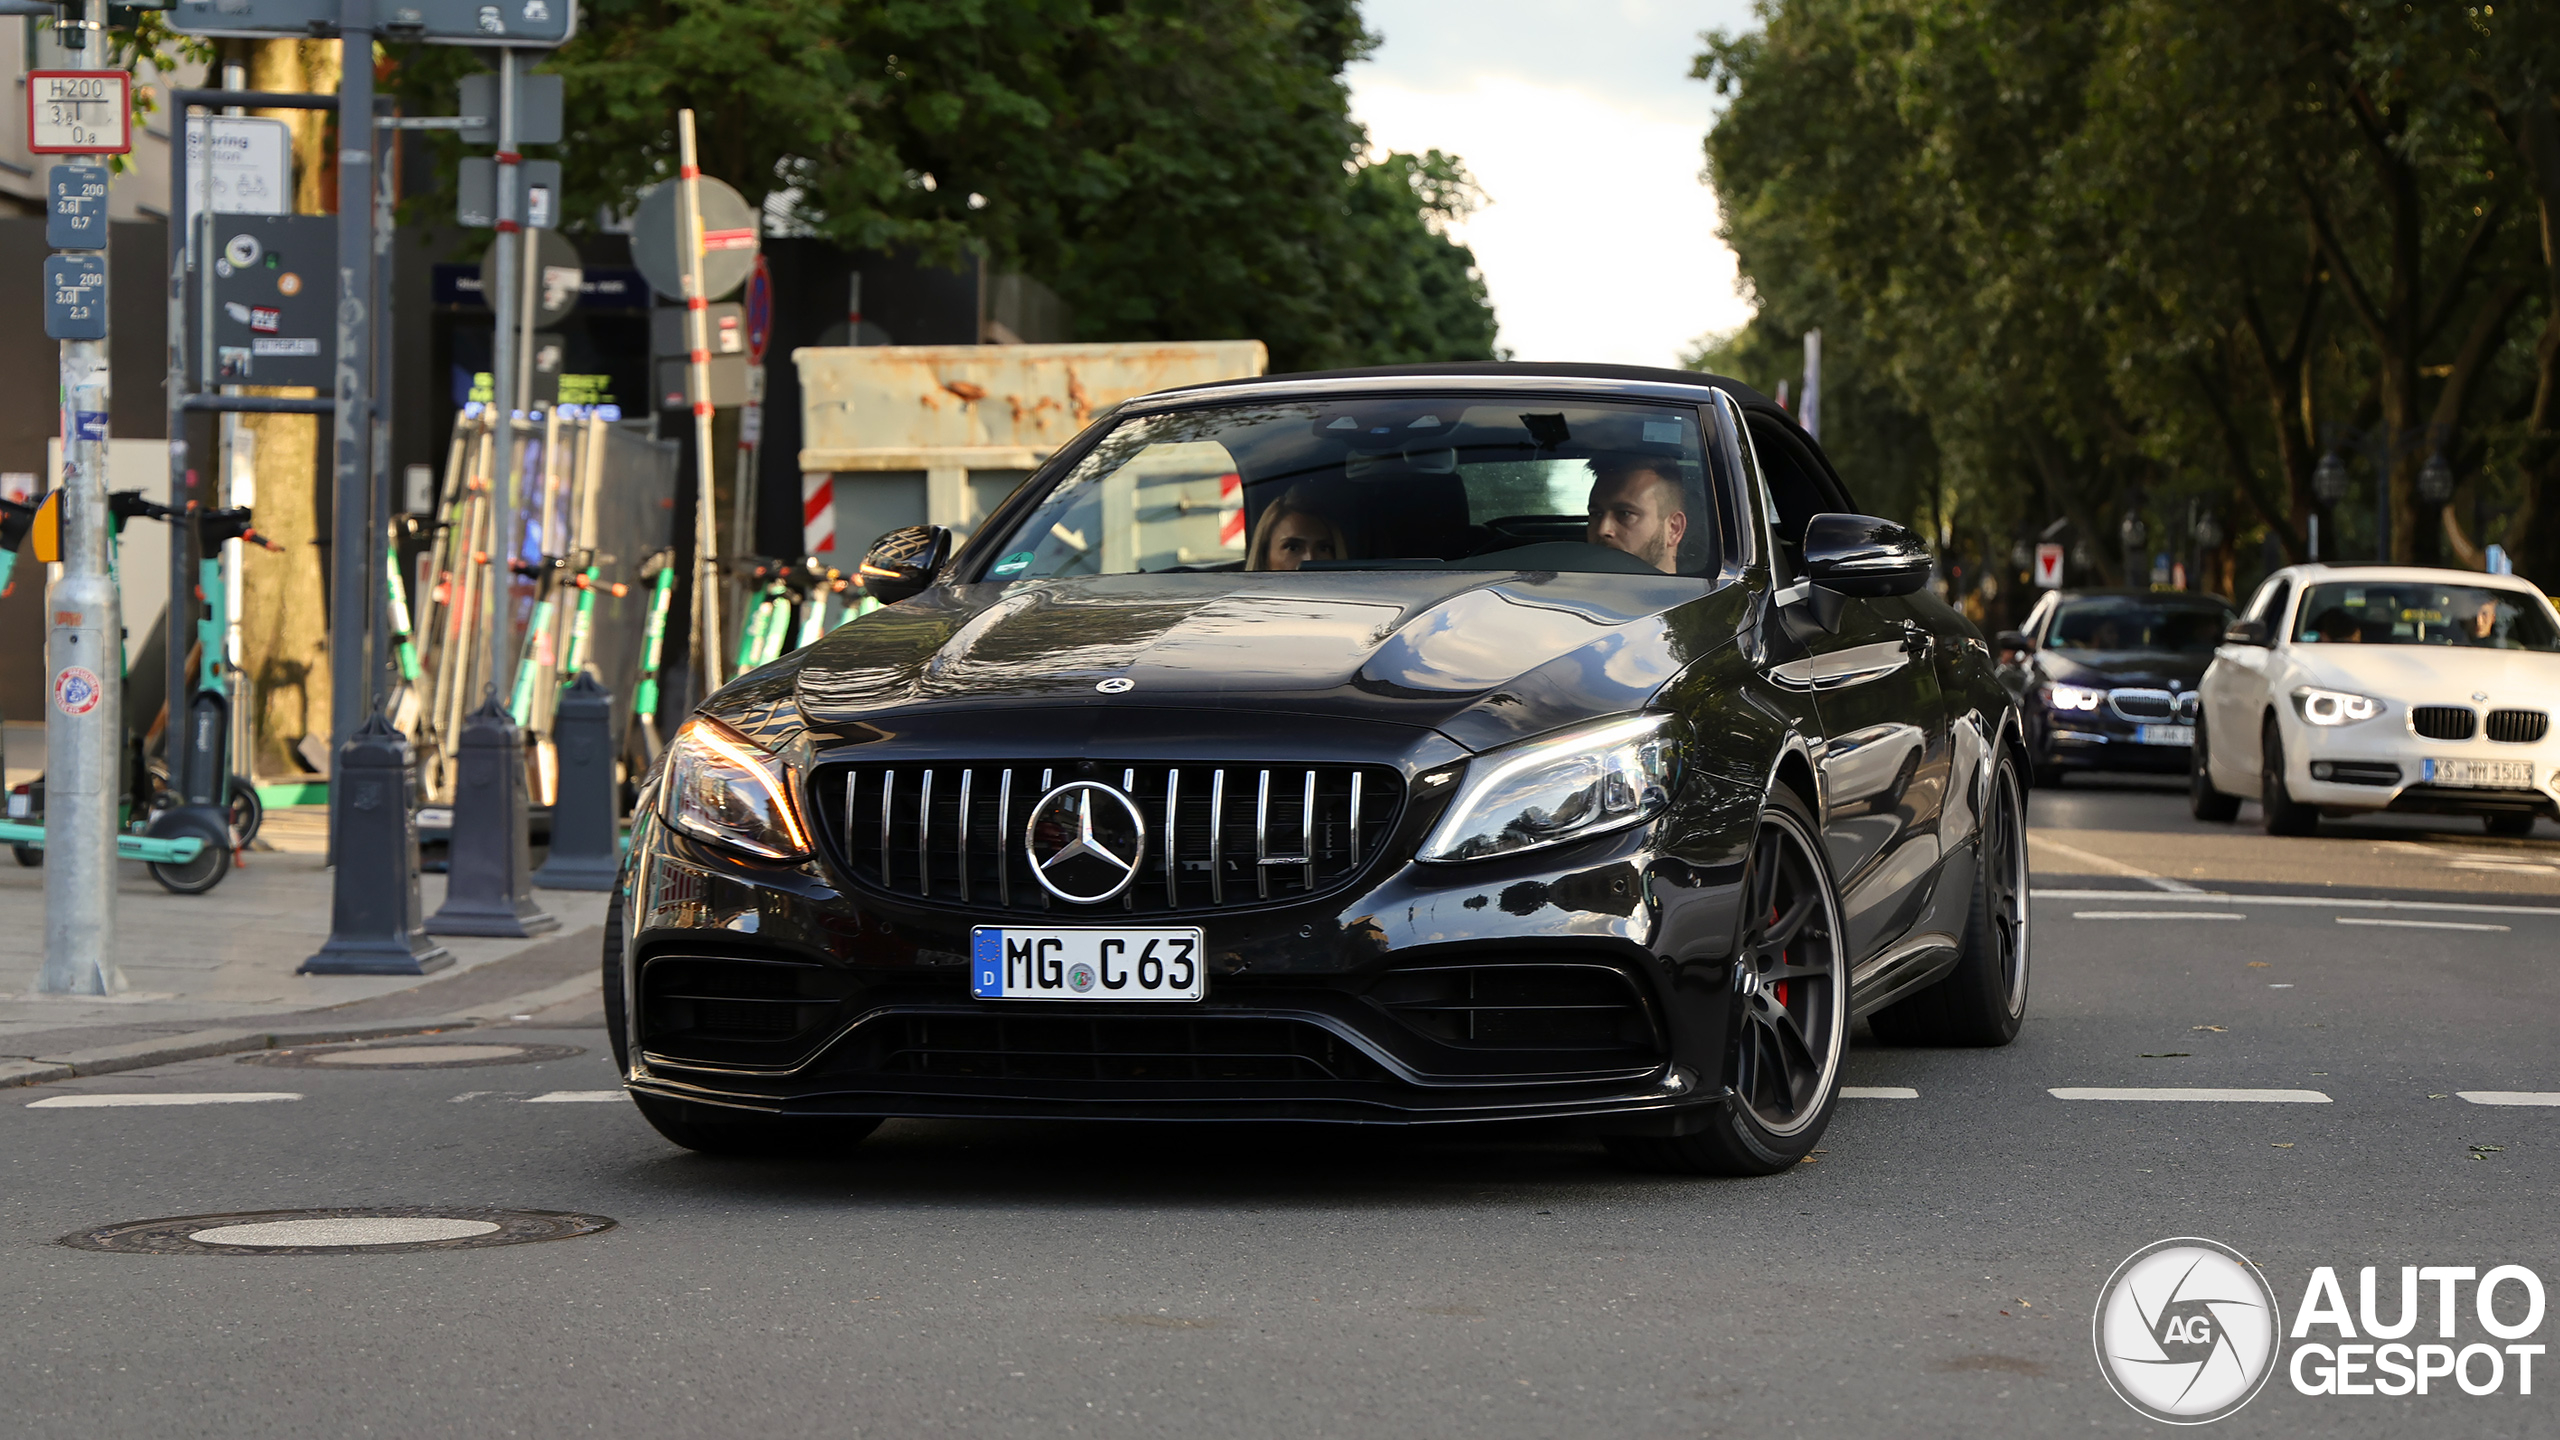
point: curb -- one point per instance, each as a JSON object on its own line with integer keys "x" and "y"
{"x": 197, "y": 1044}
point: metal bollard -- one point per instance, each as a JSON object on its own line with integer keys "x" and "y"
{"x": 487, "y": 891}
{"x": 374, "y": 926}
{"x": 585, "y": 823}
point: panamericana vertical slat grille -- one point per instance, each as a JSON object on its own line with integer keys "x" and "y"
{"x": 2519, "y": 727}
{"x": 1241, "y": 834}
{"x": 2444, "y": 722}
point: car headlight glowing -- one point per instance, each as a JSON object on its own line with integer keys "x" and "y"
{"x": 2333, "y": 707}
{"x": 1583, "y": 782}
{"x": 2074, "y": 697}
{"x": 719, "y": 788}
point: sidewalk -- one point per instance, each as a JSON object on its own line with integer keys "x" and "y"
{"x": 213, "y": 973}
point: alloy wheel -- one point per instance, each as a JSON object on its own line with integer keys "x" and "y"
{"x": 2004, "y": 861}
{"x": 1794, "y": 1019}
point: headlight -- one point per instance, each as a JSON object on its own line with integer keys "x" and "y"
{"x": 1586, "y": 781}
{"x": 2074, "y": 697}
{"x": 719, "y": 788}
{"x": 2333, "y": 707}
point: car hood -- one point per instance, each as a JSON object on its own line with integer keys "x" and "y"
{"x": 2141, "y": 669}
{"x": 2434, "y": 674}
{"x": 1484, "y": 657}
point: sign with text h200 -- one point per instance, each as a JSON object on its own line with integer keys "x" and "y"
{"x": 79, "y": 112}
{"x": 527, "y": 24}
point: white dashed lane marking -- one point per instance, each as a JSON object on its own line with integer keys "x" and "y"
{"x": 2157, "y": 915}
{"x": 1878, "y": 1092}
{"x": 2262, "y": 1097}
{"x": 2511, "y": 1097}
{"x": 201, "y": 1097}
{"x": 2422, "y": 924}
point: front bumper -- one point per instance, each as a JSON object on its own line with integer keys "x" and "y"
{"x": 2381, "y": 765}
{"x": 1591, "y": 982}
{"x": 2097, "y": 740}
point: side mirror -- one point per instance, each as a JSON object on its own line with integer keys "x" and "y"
{"x": 2014, "y": 642}
{"x": 903, "y": 562}
{"x": 2246, "y": 632}
{"x": 1864, "y": 557}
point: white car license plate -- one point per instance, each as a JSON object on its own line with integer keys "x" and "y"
{"x": 2166, "y": 734}
{"x": 1009, "y": 963}
{"x": 2492, "y": 774}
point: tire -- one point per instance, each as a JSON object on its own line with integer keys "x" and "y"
{"x": 29, "y": 856}
{"x": 2508, "y": 827}
{"x": 1984, "y": 999}
{"x": 2204, "y": 801}
{"x": 248, "y": 812}
{"x": 1792, "y": 981}
{"x": 617, "y": 1030}
{"x": 717, "y": 1130}
{"x": 2284, "y": 815}
{"x": 195, "y": 877}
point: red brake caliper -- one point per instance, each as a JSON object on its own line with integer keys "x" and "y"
{"x": 1782, "y": 959}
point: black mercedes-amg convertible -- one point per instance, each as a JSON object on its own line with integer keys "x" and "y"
{"x": 1425, "y": 745}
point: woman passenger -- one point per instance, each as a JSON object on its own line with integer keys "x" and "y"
{"x": 1289, "y": 533}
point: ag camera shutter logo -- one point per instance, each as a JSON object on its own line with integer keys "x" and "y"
{"x": 2186, "y": 1330}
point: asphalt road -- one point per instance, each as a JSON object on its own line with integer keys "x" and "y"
{"x": 1932, "y": 1272}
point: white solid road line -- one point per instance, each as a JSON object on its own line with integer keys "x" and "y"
{"x": 2316, "y": 902}
{"x": 1878, "y": 1092}
{"x": 574, "y": 1097}
{"x": 2511, "y": 1097}
{"x": 2423, "y": 924}
{"x": 2158, "y": 915}
{"x": 2264, "y": 1097}
{"x": 200, "y": 1097}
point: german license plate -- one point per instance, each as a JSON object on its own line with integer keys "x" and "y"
{"x": 2166, "y": 734}
{"x": 2489, "y": 774}
{"x": 1008, "y": 963}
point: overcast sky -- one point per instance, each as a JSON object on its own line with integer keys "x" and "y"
{"x": 1580, "y": 122}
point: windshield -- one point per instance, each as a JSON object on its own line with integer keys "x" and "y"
{"x": 2414, "y": 612}
{"x": 1403, "y": 482}
{"x": 2132, "y": 623}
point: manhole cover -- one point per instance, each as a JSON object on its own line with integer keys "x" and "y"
{"x": 437, "y": 1056}
{"x": 370, "y": 1230}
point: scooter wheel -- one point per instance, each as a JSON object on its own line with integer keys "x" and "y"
{"x": 193, "y": 877}
{"x": 28, "y": 856}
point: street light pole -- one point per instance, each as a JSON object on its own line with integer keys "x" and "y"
{"x": 84, "y": 724}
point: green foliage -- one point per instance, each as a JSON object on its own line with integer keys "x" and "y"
{"x": 1174, "y": 169}
{"x": 2139, "y": 263}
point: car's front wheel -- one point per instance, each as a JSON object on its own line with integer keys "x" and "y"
{"x": 1791, "y": 982}
{"x": 2284, "y": 814}
{"x": 2204, "y": 801}
{"x": 1984, "y": 999}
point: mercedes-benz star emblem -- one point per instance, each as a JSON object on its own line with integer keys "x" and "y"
{"x": 1117, "y": 685}
{"x": 1086, "y": 841}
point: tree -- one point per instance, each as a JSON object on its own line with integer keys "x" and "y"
{"x": 1174, "y": 169}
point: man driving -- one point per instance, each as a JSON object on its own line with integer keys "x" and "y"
{"x": 1637, "y": 506}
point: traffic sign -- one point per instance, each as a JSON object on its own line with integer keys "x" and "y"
{"x": 238, "y": 165}
{"x": 2049, "y": 566}
{"x": 79, "y": 112}
{"x": 560, "y": 279}
{"x": 537, "y": 193}
{"x": 538, "y": 108}
{"x": 76, "y": 216}
{"x": 75, "y": 296}
{"x": 728, "y": 239}
{"x": 523, "y": 24}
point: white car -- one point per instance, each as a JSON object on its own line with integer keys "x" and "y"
{"x": 2353, "y": 688}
